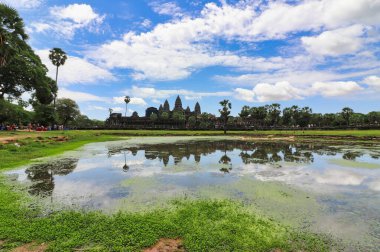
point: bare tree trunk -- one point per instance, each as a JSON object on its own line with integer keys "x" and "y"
{"x": 56, "y": 83}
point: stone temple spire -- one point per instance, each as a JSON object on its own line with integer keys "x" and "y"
{"x": 187, "y": 110}
{"x": 197, "y": 109}
{"x": 166, "y": 106}
{"x": 160, "y": 109}
{"x": 178, "y": 104}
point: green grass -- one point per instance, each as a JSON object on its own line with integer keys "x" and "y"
{"x": 37, "y": 145}
{"x": 203, "y": 225}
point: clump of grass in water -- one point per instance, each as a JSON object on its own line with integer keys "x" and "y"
{"x": 203, "y": 225}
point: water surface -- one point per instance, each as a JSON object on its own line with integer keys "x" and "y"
{"x": 332, "y": 188}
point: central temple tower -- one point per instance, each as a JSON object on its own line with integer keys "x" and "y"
{"x": 178, "y": 104}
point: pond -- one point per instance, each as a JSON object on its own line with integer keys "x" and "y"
{"x": 332, "y": 188}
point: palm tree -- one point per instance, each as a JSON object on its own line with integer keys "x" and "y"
{"x": 58, "y": 57}
{"x": 225, "y": 112}
{"x": 127, "y": 99}
{"x": 12, "y": 33}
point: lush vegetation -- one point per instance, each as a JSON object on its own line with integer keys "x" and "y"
{"x": 21, "y": 69}
{"x": 203, "y": 225}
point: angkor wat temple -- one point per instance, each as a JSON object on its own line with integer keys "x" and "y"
{"x": 165, "y": 118}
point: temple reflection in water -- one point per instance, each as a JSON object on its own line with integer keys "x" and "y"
{"x": 43, "y": 175}
{"x": 250, "y": 152}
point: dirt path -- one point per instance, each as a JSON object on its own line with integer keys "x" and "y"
{"x": 31, "y": 247}
{"x": 36, "y": 136}
{"x": 269, "y": 137}
{"x": 167, "y": 245}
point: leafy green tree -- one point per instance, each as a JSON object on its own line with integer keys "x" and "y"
{"x": 21, "y": 69}
{"x": 192, "y": 121}
{"x": 164, "y": 116}
{"x": 12, "y": 34}
{"x": 291, "y": 115}
{"x": 245, "y": 112}
{"x": 358, "y": 119}
{"x": 67, "y": 111}
{"x": 179, "y": 116}
{"x": 82, "y": 121}
{"x": 225, "y": 111}
{"x": 328, "y": 119}
{"x": 304, "y": 116}
{"x": 259, "y": 114}
{"x": 153, "y": 117}
{"x": 44, "y": 114}
{"x": 316, "y": 119}
{"x": 58, "y": 58}
{"x": 273, "y": 114}
{"x": 231, "y": 121}
{"x": 14, "y": 114}
{"x": 346, "y": 114}
{"x": 205, "y": 120}
{"x": 374, "y": 117}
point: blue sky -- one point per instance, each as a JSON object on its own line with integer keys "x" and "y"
{"x": 323, "y": 54}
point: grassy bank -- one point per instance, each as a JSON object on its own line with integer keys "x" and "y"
{"x": 203, "y": 225}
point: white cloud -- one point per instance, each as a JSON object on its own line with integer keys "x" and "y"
{"x": 336, "y": 42}
{"x": 375, "y": 185}
{"x": 152, "y": 93}
{"x": 66, "y": 20}
{"x": 294, "y": 77}
{"x": 93, "y": 107}
{"x": 372, "y": 81}
{"x": 24, "y": 4}
{"x": 79, "y": 96}
{"x": 40, "y": 27}
{"x": 280, "y": 91}
{"x": 117, "y": 109}
{"x": 134, "y": 100}
{"x": 284, "y": 91}
{"x": 78, "y": 13}
{"x": 338, "y": 88}
{"x": 76, "y": 70}
{"x": 340, "y": 177}
{"x": 245, "y": 94}
{"x": 146, "y": 23}
{"x": 168, "y": 8}
{"x": 263, "y": 92}
{"x": 280, "y": 18}
{"x": 175, "y": 49}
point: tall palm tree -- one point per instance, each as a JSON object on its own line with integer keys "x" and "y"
{"x": 58, "y": 57}
{"x": 12, "y": 33}
{"x": 127, "y": 99}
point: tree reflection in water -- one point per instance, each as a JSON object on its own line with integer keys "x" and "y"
{"x": 250, "y": 152}
{"x": 42, "y": 175}
{"x": 125, "y": 166}
{"x": 226, "y": 161}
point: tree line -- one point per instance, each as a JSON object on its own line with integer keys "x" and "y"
{"x": 21, "y": 71}
{"x": 270, "y": 116}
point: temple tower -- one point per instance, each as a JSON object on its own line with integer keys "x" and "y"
{"x": 166, "y": 106}
{"x": 197, "y": 109}
{"x": 178, "y": 104}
